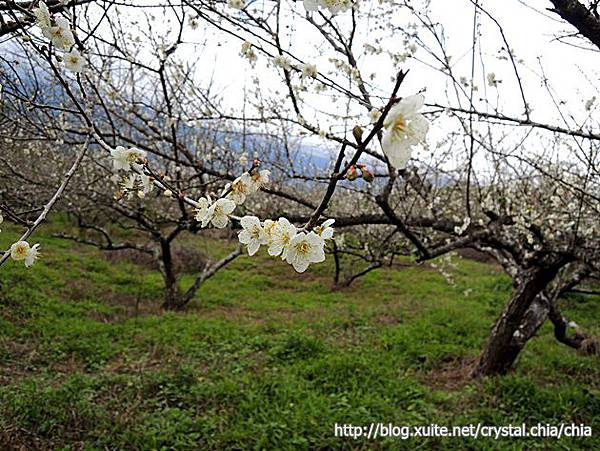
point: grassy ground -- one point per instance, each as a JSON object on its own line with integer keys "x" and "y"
{"x": 267, "y": 359}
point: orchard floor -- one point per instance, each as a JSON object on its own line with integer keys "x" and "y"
{"x": 264, "y": 358}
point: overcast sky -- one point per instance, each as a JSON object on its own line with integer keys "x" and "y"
{"x": 529, "y": 28}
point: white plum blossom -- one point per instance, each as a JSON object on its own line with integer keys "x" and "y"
{"x": 325, "y": 231}
{"x": 32, "y": 255}
{"x": 281, "y": 234}
{"x": 21, "y": 251}
{"x": 240, "y": 188}
{"x": 237, "y": 4}
{"x": 309, "y": 71}
{"x": 128, "y": 183}
{"x": 492, "y": 80}
{"x": 248, "y": 52}
{"x": 374, "y": 115}
{"x": 304, "y": 249}
{"x": 589, "y": 103}
{"x": 334, "y": 6}
{"x": 218, "y": 213}
{"x": 404, "y": 127}
{"x": 60, "y": 34}
{"x": 201, "y": 209}
{"x": 253, "y": 234}
{"x": 42, "y": 16}
{"x": 123, "y": 158}
{"x": 283, "y": 62}
{"x": 459, "y": 230}
{"x": 260, "y": 179}
{"x": 74, "y": 61}
{"x": 269, "y": 225}
{"x": 146, "y": 185}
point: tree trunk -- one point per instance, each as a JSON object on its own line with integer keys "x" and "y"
{"x": 165, "y": 263}
{"x": 521, "y": 318}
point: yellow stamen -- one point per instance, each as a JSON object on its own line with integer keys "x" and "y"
{"x": 302, "y": 247}
{"x": 399, "y": 124}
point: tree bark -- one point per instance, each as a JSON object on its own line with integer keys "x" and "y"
{"x": 585, "y": 19}
{"x": 507, "y": 339}
{"x": 165, "y": 263}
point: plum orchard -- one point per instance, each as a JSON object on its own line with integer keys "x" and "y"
{"x": 118, "y": 109}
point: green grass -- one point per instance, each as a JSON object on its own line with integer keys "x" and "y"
{"x": 264, "y": 358}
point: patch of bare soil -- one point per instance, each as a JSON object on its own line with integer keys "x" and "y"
{"x": 130, "y": 256}
{"x": 19, "y": 363}
{"x": 185, "y": 258}
{"x": 474, "y": 254}
{"x": 14, "y": 438}
{"x": 389, "y": 320}
{"x": 125, "y": 305}
{"x": 451, "y": 375}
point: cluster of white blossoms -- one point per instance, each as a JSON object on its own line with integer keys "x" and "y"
{"x": 140, "y": 184}
{"x": 282, "y": 61}
{"x": 334, "y": 6}
{"x": 306, "y": 70}
{"x": 245, "y": 185}
{"x": 309, "y": 71}
{"x": 283, "y": 239}
{"x": 22, "y": 251}
{"x": 58, "y": 31}
{"x": 248, "y": 52}
{"x": 216, "y": 213}
{"x": 404, "y": 127}
{"x": 459, "y": 230}
{"x": 128, "y": 160}
{"x": 235, "y": 193}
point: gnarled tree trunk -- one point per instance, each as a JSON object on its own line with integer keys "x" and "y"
{"x": 518, "y": 322}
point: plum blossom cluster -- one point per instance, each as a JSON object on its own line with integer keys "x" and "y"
{"x": 334, "y": 6}
{"x": 58, "y": 31}
{"x": 128, "y": 160}
{"x": 218, "y": 213}
{"x": 404, "y": 128}
{"x": 283, "y": 239}
{"x": 248, "y": 52}
{"x": 307, "y": 70}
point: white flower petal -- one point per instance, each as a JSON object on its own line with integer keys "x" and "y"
{"x": 253, "y": 247}
{"x": 397, "y": 151}
{"x": 248, "y": 222}
{"x": 300, "y": 265}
